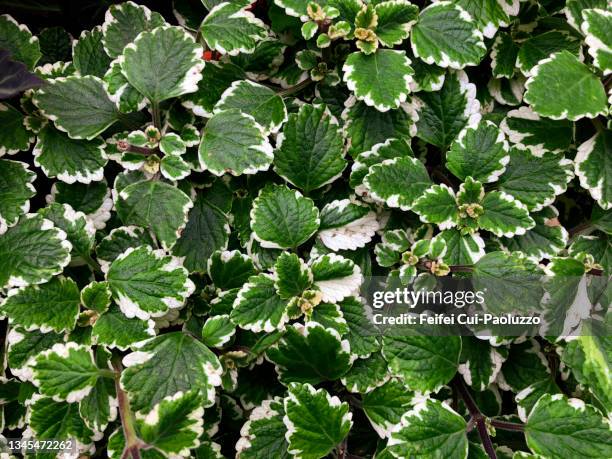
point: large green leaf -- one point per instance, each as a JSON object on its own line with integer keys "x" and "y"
{"x": 316, "y": 422}
{"x": 446, "y": 35}
{"x": 171, "y": 55}
{"x": 596, "y": 26}
{"x": 562, "y": 87}
{"x": 566, "y": 428}
{"x": 155, "y": 205}
{"x": 32, "y": 252}
{"x": 14, "y": 136}
{"x": 310, "y": 151}
{"x": 283, "y": 218}
{"x": 79, "y": 106}
{"x": 382, "y": 79}
{"x": 234, "y": 143}
{"x": 431, "y": 429}
{"x": 170, "y": 363}
{"x": 594, "y": 167}
{"x": 147, "y": 283}
{"x": 230, "y": 29}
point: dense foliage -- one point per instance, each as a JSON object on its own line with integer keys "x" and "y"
{"x": 190, "y": 205}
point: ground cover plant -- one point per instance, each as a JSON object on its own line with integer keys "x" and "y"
{"x": 191, "y": 204}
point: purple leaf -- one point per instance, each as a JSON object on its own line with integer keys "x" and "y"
{"x": 15, "y": 76}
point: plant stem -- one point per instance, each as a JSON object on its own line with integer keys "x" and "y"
{"x": 293, "y": 89}
{"x": 108, "y": 374}
{"x": 476, "y": 416}
{"x": 132, "y": 442}
{"x": 505, "y": 425}
{"x": 93, "y": 264}
{"x": 580, "y": 229}
{"x": 156, "y": 115}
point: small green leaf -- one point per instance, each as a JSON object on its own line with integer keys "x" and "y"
{"x": 230, "y": 269}
{"x": 462, "y": 249}
{"x": 596, "y": 26}
{"x": 316, "y": 422}
{"x": 79, "y": 106}
{"x": 114, "y": 329}
{"x": 16, "y": 189}
{"x": 504, "y": 215}
{"x": 14, "y": 137}
{"x": 258, "y": 307}
{"x": 218, "y": 330}
{"x": 264, "y": 432}
{"x": 346, "y": 225}
{"x": 385, "y": 405}
{"x": 283, "y": 218}
{"x": 539, "y": 47}
{"x": 88, "y": 55}
{"x": 480, "y": 362}
{"x": 562, "y": 87}
{"x": 438, "y": 205}
{"x": 382, "y": 79}
{"x": 310, "y": 151}
{"x": 503, "y": 55}
{"x": 293, "y": 276}
{"x": 395, "y": 19}
{"x": 366, "y": 374}
{"x": 52, "y": 420}
{"x": 147, "y": 283}
{"x": 234, "y": 143}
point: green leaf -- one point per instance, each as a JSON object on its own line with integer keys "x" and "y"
{"x": 504, "y": 215}
{"x": 382, "y": 79}
{"x": 316, "y": 422}
{"x": 539, "y": 47}
{"x": 170, "y": 363}
{"x": 293, "y": 276}
{"x": 431, "y": 429}
{"x": 563, "y": 428}
{"x": 118, "y": 241}
{"x": 336, "y": 277}
{"x": 50, "y": 306}
{"x": 461, "y": 249}
{"x": 310, "y": 151}
{"x": 310, "y": 354}
{"x": 93, "y": 200}
{"x": 575, "y": 8}
{"x": 395, "y": 19}
{"x": 123, "y": 23}
{"x": 174, "y": 168}
{"x": 443, "y": 114}
{"x": 553, "y": 172}
{"x": 527, "y": 130}
{"x": 114, "y": 329}
{"x": 365, "y": 126}
{"x": 594, "y": 167}
{"x": 525, "y": 365}
{"x": 562, "y": 87}
{"x": 258, "y": 307}
{"x": 390, "y": 149}
{"x": 171, "y": 55}
{"x": 599, "y": 245}
{"x": 217, "y": 331}
{"x": 385, "y": 405}
{"x": 32, "y": 252}
{"x": 79, "y": 106}
{"x": 447, "y": 36}
{"x": 230, "y": 29}
{"x": 544, "y": 240}
{"x": 366, "y": 374}
{"x": 66, "y": 372}
{"x": 479, "y": 151}
{"x": 16, "y": 189}
{"x": 283, "y": 218}
{"x": 264, "y": 432}
{"x": 99, "y": 407}
{"x": 88, "y": 55}
{"x": 146, "y": 283}
{"x": 480, "y": 362}
{"x": 438, "y": 205}
{"x": 67, "y": 159}
{"x": 19, "y": 41}
{"x": 423, "y": 363}
{"x": 503, "y": 55}
{"x": 14, "y": 137}
{"x": 596, "y": 26}
{"x": 52, "y": 420}
{"x": 260, "y": 102}
{"x": 397, "y": 182}
{"x": 23, "y": 347}
{"x": 207, "y": 231}
{"x": 234, "y": 143}
{"x": 528, "y": 397}
{"x": 155, "y": 205}
{"x": 230, "y": 269}
{"x": 120, "y": 91}
{"x": 489, "y": 15}
{"x": 174, "y": 425}
{"x": 346, "y": 225}
{"x": 362, "y": 335}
